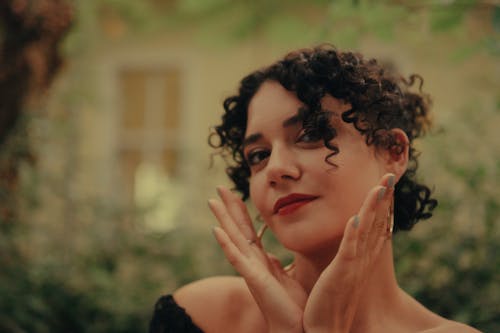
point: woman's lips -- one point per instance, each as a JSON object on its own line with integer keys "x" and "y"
{"x": 290, "y": 203}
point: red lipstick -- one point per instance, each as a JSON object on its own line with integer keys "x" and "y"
{"x": 292, "y": 202}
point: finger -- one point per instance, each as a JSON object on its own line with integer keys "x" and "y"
{"x": 245, "y": 267}
{"x": 275, "y": 265}
{"x": 251, "y": 270}
{"x": 385, "y": 207}
{"x": 229, "y": 226}
{"x": 367, "y": 215}
{"x": 238, "y": 211}
{"x": 266, "y": 290}
{"x": 374, "y": 215}
{"x": 348, "y": 245}
{"x": 232, "y": 253}
{"x": 382, "y": 218}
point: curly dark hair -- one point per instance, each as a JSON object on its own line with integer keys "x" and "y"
{"x": 380, "y": 101}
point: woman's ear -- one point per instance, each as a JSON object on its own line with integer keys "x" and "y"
{"x": 397, "y": 154}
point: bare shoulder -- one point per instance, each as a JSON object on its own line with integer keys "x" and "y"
{"x": 216, "y": 303}
{"x": 210, "y": 291}
{"x": 452, "y": 327}
{"x": 425, "y": 321}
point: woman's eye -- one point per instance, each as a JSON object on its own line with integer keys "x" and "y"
{"x": 256, "y": 156}
{"x": 309, "y": 136}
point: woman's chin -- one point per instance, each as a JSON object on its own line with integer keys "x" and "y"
{"x": 312, "y": 246}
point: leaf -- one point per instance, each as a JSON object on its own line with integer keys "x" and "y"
{"x": 445, "y": 19}
{"x": 199, "y": 6}
{"x": 465, "y": 52}
{"x": 495, "y": 20}
{"x": 287, "y": 28}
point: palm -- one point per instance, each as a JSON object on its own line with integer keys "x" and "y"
{"x": 333, "y": 300}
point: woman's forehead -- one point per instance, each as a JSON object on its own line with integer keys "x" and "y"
{"x": 335, "y": 105}
{"x": 272, "y": 103}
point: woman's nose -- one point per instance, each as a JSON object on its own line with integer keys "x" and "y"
{"x": 282, "y": 167}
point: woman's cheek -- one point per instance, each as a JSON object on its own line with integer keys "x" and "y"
{"x": 255, "y": 193}
{"x": 259, "y": 195}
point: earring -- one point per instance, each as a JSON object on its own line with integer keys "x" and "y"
{"x": 289, "y": 267}
{"x": 260, "y": 234}
{"x": 390, "y": 218}
{"x": 261, "y": 231}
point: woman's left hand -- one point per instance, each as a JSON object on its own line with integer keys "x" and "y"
{"x": 279, "y": 297}
{"x": 333, "y": 301}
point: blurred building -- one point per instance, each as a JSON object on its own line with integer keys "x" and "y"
{"x": 142, "y": 106}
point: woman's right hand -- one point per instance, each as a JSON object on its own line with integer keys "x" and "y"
{"x": 333, "y": 301}
{"x": 280, "y": 298}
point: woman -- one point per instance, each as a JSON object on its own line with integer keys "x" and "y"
{"x": 322, "y": 142}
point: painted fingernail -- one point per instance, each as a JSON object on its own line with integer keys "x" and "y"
{"x": 356, "y": 221}
{"x": 390, "y": 181}
{"x": 381, "y": 193}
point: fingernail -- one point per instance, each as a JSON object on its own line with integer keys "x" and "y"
{"x": 381, "y": 193}
{"x": 356, "y": 221}
{"x": 390, "y": 181}
{"x": 210, "y": 202}
{"x": 219, "y": 190}
{"x": 215, "y": 231}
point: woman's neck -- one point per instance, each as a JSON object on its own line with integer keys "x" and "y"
{"x": 309, "y": 266}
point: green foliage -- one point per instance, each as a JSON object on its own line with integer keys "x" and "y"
{"x": 85, "y": 281}
{"x": 451, "y": 264}
{"x": 136, "y": 13}
{"x": 444, "y": 19}
{"x": 458, "y": 281}
{"x": 342, "y": 22}
{"x": 47, "y": 304}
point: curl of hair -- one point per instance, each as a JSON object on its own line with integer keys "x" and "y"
{"x": 380, "y": 101}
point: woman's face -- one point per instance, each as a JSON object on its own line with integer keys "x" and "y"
{"x": 303, "y": 199}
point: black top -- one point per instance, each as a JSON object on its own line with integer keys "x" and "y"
{"x": 171, "y": 318}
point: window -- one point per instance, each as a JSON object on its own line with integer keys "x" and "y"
{"x": 148, "y": 136}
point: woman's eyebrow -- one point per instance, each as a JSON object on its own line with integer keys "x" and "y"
{"x": 255, "y": 137}
{"x": 250, "y": 139}
{"x": 292, "y": 121}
